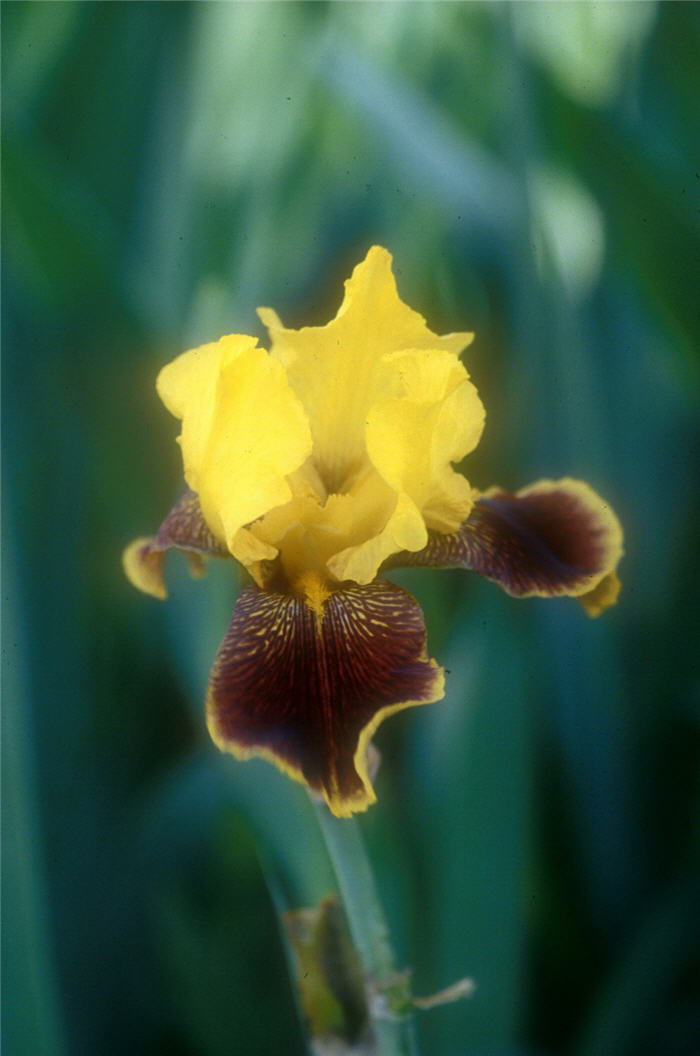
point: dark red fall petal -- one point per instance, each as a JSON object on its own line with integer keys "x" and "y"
{"x": 551, "y": 538}
{"x": 306, "y": 686}
{"x": 183, "y": 528}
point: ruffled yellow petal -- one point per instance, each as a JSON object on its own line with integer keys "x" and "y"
{"x": 435, "y": 418}
{"x": 243, "y": 431}
{"x": 187, "y": 386}
{"x": 407, "y": 484}
{"x": 412, "y": 439}
{"x": 336, "y": 369}
{"x": 403, "y": 530}
{"x": 249, "y": 549}
{"x": 312, "y": 534}
{"x": 334, "y": 450}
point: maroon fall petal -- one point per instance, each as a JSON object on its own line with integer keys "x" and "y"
{"x": 305, "y": 686}
{"x": 552, "y": 538}
{"x": 185, "y": 529}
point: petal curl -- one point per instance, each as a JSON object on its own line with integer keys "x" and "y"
{"x": 551, "y": 538}
{"x": 437, "y": 418}
{"x": 402, "y": 529}
{"x": 335, "y": 369}
{"x": 305, "y": 682}
{"x": 185, "y": 529}
{"x": 314, "y": 536}
{"x": 434, "y": 418}
{"x": 603, "y": 596}
{"x": 243, "y": 431}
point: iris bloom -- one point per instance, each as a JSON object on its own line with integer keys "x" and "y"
{"x": 317, "y": 466}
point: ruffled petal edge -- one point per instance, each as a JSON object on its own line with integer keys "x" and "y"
{"x": 305, "y": 684}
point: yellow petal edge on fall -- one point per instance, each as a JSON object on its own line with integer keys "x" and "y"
{"x": 610, "y": 530}
{"x": 145, "y": 572}
{"x": 340, "y": 806}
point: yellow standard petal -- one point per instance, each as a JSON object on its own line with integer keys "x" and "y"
{"x": 336, "y": 369}
{"x": 412, "y": 439}
{"x": 243, "y": 431}
{"x": 434, "y": 418}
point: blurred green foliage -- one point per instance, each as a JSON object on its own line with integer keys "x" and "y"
{"x": 166, "y": 169}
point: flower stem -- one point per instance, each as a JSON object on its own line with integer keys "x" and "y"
{"x": 389, "y": 999}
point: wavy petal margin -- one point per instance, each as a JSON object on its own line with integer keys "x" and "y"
{"x": 243, "y": 430}
{"x": 552, "y": 538}
{"x": 338, "y": 370}
{"x": 185, "y": 529}
{"x": 305, "y": 683}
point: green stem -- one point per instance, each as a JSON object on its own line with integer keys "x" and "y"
{"x": 390, "y": 1011}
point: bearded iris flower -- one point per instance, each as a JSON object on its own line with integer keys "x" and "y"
{"x": 319, "y": 465}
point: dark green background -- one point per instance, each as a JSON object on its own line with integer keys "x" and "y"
{"x": 534, "y": 170}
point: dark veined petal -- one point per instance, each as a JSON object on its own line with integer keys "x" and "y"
{"x": 551, "y": 538}
{"x": 305, "y": 684}
{"x": 183, "y": 528}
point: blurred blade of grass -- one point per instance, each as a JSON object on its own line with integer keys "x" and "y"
{"x": 31, "y": 1016}
{"x": 434, "y": 156}
{"x": 224, "y": 140}
{"x": 649, "y": 196}
{"x": 225, "y": 974}
{"x": 585, "y": 46}
{"x": 637, "y": 995}
{"x": 77, "y": 141}
{"x": 191, "y": 800}
{"x": 472, "y": 769}
{"x": 196, "y": 617}
{"x": 58, "y": 240}
{"x": 582, "y": 662}
{"x": 35, "y": 40}
{"x": 194, "y": 851}
{"x": 221, "y": 183}
{"x": 240, "y": 810}
{"x": 587, "y": 702}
